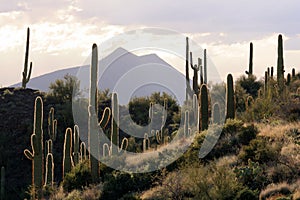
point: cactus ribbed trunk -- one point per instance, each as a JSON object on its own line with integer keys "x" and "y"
{"x": 114, "y": 124}
{"x": 93, "y": 137}
{"x": 230, "y": 103}
{"x": 203, "y": 108}
{"x": 205, "y": 67}
{"x": 280, "y": 65}
{"x": 187, "y": 76}
{"x": 26, "y": 75}
{"x": 67, "y": 157}
{"x": 49, "y": 173}
{"x": 76, "y": 153}
{"x": 36, "y": 155}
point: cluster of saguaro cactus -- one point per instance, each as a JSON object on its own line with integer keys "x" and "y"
{"x": 26, "y": 75}
{"x": 36, "y": 155}
{"x": 250, "y": 71}
{"x": 197, "y": 69}
{"x": 230, "y": 101}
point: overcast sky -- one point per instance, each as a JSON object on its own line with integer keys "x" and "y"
{"x": 63, "y": 31}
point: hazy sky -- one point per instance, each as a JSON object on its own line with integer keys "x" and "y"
{"x": 63, "y": 31}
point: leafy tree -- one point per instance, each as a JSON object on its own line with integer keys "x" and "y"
{"x": 64, "y": 89}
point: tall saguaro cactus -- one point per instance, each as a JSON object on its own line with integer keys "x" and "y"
{"x": 93, "y": 125}
{"x": 26, "y": 74}
{"x": 230, "y": 103}
{"x": 187, "y": 76}
{"x": 76, "y": 153}
{"x": 204, "y": 107}
{"x": 280, "y": 65}
{"x": 205, "y": 66}
{"x": 250, "y": 70}
{"x": 115, "y": 122}
{"x": 36, "y": 155}
{"x": 67, "y": 157}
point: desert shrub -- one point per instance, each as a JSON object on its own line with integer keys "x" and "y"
{"x": 251, "y": 175}
{"x": 79, "y": 177}
{"x": 117, "y": 184}
{"x": 215, "y": 180}
{"x": 246, "y": 194}
{"x": 260, "y": 150}
{"x": 278, "y": 189}
{"x": 233, "y": 136}
{"x": 247, "y": 134}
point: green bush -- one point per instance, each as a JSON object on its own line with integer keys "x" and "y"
{"x": 117, "y": 184}
{"x": 247, "y": 134}
{"x": 260, "y": 150}
{"x": 246, "y": 194}
{"x": 251, "y": 175}
{"x": 79, "y": 177}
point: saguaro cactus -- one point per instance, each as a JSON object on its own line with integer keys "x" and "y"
{"x": 93, "y": 125}
{"x": 76, "y": 153}
{"x": 288, "y": 79}
{"x": 52, "y": 125}
{"x": 201, "y": 70}
{"x": 272, "y": 72}
{"x": 36, "y": 155}
{"x": 67, "y": 157}
{"x": 293, "y": 73}
{"x": 205, "y": 66}
{"x": 187, "y": 76}
{"x": 186, "y": 124}
{"x": 216, "y": 114}
{"x": 26, "y": 74}
{"x": 115, "y": 138}
{"x": 250, "y": 71}
{"x": 266, "y": 83}
{"x": 114, "y": 123}
{"x": 204, "y": 107}
{"x": 2, "y": 195}
{"x": 230, "y": 103}
{"x": 195, "y": 79}
{"x": 49, "y": 173}
{"x": 280, "y": 65}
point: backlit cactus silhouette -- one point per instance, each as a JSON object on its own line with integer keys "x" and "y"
{"x": 230, "y": 102}
{"x": 26, "y": 74}
{"x": 36, "y": 155}
{"x": 204, "y": 107}
{"x": 67, "y": 156}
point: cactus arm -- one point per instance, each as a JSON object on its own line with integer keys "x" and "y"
{"x": 28, "y": 154}
{"x": 105, "y": 117}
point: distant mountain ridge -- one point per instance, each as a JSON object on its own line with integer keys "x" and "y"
{"x": 119, "y": 66}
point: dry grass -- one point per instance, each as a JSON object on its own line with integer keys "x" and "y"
{"x": 276, "y": 130}
{"x": 275, "y": 190}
